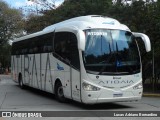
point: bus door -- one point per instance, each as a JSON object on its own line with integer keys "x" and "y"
{"x": 72, "y": 76}
{"x": 65, "y": 46}
{"x": 75, "y": 77}
{"x": 62, "y": 63}
{"x": 72, "y": 81}
{"x": 75, "y": 67}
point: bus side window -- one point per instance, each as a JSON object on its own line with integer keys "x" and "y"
{"x": 60, "y": 44}
{"x": 65, "y": 45}
{"x": 47, "y": 42}
{"x": 74, "y": 54}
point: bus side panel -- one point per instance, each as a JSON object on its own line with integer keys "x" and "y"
{"x": 18, "y": 60}
{"x": 35, "y": 71}
{"x": 18, "y": 66}
{"x": 46, "y": 72}
{"x": 30, "y": 81}
{"x": 22, "y": 68}
{"x": 67, "y": 84}
{"x": 25, "y": 69}
{"x": 62, "y": 73}
{"x": 14, "y": 68}
{"x": 76, "y": 85}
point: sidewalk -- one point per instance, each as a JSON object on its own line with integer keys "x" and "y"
{"x": 148, "y": 90}
{"x": 151, "y": 94}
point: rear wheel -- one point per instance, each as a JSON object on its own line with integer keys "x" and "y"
{"x": 59, "y": 92}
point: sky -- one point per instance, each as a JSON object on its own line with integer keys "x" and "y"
{"x": 20, "y": 3}
{"x": 27, "y": 6}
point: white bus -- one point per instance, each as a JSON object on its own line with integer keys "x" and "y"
{"x": 90, "y": 59}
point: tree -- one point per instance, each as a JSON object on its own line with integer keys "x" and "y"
{"x": 68, "y": 9}
{"x": 10, "y": 22}
{"x": 10, "y": 27}
{"x": 139, "y": 16}
{"x": 34, "y": 23}
{"x": 45, "y": 4}
{"x": 38, "y": 7}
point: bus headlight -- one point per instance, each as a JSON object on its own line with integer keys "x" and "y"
{"x": 138, "y": 86}
{"x": 89, "y": 87}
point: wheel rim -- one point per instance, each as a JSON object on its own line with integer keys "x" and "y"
{"x": 60, "y": 91}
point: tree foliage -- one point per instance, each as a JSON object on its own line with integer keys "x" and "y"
{"x": 139, "y": 16}
{"x": 10, "y": 26}
{"x": 10, "y": 22}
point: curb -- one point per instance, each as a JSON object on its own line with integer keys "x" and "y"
{"x": 151, "y": 95}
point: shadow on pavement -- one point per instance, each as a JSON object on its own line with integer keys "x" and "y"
{"x": 103, "y": 106}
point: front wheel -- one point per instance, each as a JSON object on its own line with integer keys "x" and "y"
{"x": 59, "y": 92}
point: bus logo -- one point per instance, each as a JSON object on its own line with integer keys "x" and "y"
{"x": 119, "y": 82}
{"x": 59, "y": 67}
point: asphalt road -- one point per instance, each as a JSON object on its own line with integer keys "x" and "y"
{"x": 13, "y": 98}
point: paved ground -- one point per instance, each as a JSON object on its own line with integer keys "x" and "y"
{"x": 12, "y": 98}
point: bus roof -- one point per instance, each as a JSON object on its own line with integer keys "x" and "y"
{"x": 81, "y": 23}
{"x": 91, "y": 21}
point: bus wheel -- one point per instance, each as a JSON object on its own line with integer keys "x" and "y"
{"x": 21, "y": 82}
{"x": 59, "y": 92}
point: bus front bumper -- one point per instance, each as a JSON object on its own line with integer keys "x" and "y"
{"x": 93, "y": 97}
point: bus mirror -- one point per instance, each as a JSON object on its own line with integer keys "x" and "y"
{"x": 145, "y": 39}
{"x": 81, "y": 40}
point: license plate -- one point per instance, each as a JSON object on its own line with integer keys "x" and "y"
{"x": 117, "y": 95}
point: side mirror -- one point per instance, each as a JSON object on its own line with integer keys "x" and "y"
{"x": 81, "y": 40}
{"x": 145, "y": 39}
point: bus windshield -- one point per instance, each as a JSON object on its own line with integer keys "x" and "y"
{"x": 111, "y": 52}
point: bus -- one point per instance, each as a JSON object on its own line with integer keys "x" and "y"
{"x": 90, "y": 59}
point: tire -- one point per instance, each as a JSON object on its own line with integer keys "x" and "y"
{"x": 59, "y": 94}
{"x": 21, "y": 85}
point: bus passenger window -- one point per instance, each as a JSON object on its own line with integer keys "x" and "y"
{"x": 65, "y": 45}
{"x": 74, "y": 54}
{"x": 60, "y": 45}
